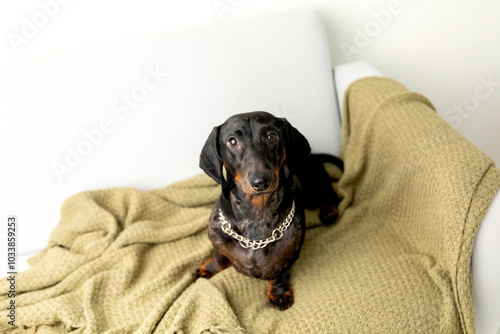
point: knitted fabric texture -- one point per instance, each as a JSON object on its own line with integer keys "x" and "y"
{"x": 397, "y": 261}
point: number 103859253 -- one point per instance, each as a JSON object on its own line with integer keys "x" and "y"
{"x": 11, "y": 244}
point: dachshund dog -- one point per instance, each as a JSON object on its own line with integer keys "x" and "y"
{"x": 268, "y": 178}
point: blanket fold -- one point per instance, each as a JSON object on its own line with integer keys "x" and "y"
{"x": 398, "y": 259}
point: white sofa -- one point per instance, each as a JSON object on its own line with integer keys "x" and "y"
{"x": 136, "y": 111}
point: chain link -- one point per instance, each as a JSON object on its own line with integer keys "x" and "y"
{"x": 257, "y": 244}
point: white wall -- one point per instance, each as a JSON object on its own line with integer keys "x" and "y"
{"x": 445, "y": 49}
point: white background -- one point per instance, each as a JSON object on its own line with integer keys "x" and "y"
{"x": 441, "y": 49}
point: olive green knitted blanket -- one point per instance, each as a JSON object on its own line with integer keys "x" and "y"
{"x": 397, "y": 261}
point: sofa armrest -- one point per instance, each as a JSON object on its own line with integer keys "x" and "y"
{"x": 486, "y": 271}
{"x": 486, "y": 252}
{"x": 346, "y": 74}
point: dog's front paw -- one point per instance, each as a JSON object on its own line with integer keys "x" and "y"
{"x": 329, "y": 214}
{"x": 202, "y": 272}
{"x": 280, "y": 300}
{"x": 212, "y": 266}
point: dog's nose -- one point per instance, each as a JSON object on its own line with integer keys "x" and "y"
{"x": 260, "y": 183}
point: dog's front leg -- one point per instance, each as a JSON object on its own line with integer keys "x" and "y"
{"x": 279, "y": 292}
{"x": 212, "y": 266}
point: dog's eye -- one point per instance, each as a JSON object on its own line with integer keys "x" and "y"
{"x": 233, "y": 142}
{"x": 272, "y": 136}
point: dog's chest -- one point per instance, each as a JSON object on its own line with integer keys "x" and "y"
{"x": 260, "y": 263}
{"x": 263, "y": 263}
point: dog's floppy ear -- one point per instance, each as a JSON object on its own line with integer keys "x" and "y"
{"x": 211, "y": 160}
{"x": 297, "y": 148}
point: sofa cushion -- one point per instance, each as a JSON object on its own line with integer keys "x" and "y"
{"x": 136, "y": 111}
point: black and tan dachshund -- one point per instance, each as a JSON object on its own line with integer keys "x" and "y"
{"x": 257, "y": 224}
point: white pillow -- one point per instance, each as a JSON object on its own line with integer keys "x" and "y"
{"x": 136, "y": 111}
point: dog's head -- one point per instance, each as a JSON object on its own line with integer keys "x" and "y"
{"x": 254, "y": 148}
